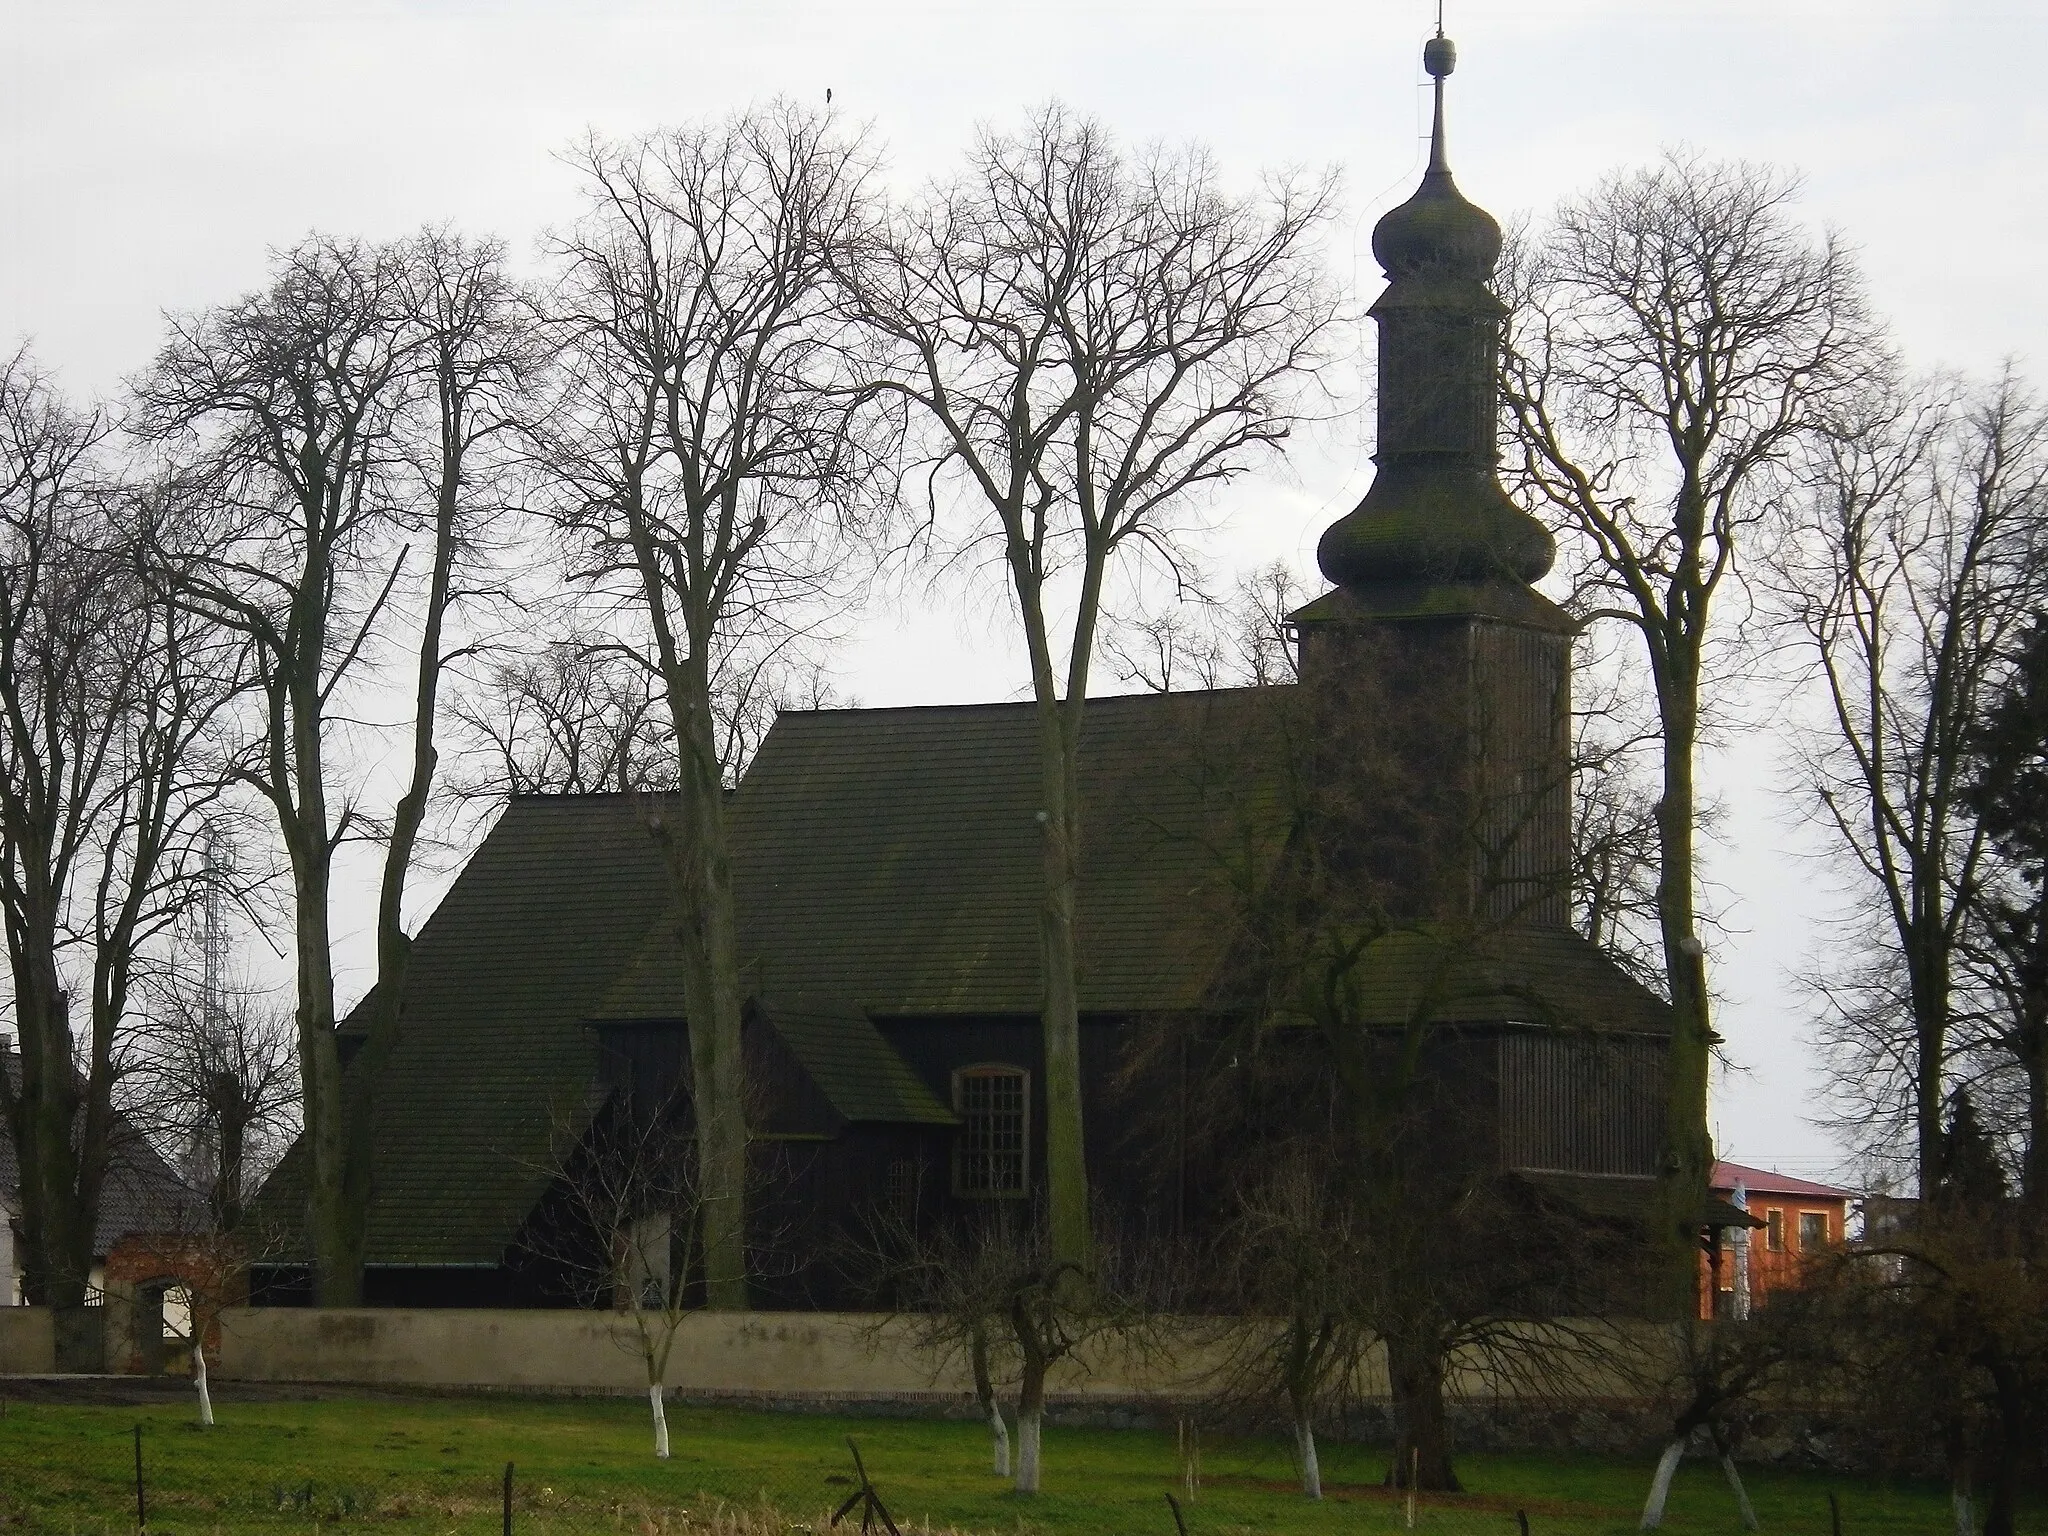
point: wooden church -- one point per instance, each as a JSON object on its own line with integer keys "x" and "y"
{"x": 886, "y": 864}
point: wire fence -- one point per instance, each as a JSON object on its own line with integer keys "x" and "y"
{"x": 444, "y": 1467}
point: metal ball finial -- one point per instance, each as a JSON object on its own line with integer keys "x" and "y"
{"x": 1439, "y": 56}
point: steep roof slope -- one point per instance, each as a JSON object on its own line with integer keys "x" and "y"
{"x": 548, "y": 911}
{"x": 889, "y": 858}
{"x": 141, "y": 1192}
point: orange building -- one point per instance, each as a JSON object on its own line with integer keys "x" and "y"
{"x": 1794, "y": 1219}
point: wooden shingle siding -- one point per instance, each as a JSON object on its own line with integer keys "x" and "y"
{"x": 1521, "y": 703}
{"x": 1581, "y": 1104}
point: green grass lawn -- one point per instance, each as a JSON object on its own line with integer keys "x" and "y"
{"x": 433, "y": 1464}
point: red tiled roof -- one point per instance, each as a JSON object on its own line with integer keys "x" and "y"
{"x": 1759, "y": 1181}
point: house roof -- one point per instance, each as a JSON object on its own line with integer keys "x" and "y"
{"x": 1759, "y": 1181}
{"x": 141, "y": 1191}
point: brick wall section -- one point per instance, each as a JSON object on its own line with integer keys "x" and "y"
{"x": 212, "y": 1270}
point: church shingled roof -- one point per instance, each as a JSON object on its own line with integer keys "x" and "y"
{"x": 886, "y": 863}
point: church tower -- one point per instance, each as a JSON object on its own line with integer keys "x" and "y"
{"x": 1444, "y": 674}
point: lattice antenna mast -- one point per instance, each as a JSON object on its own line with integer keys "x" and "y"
{"x": 213, "y": 941}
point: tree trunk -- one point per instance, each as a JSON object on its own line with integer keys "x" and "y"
{"x": 1687, "y": 1164}
{"x": 1742, "y": 1504}
{"x": 199, "y": 1378}
{"x": 1305, "y": 1451}
{"x": 1927, "y": 982}
{"x": 1660, "y": 1486}
{"x": 56, "y": 1248}
{"x": 985, "y": 1395}
{"x": 337, "y": 1268}
{"x": 1030, "y": 1421}
{"x": 654, "y": 1401}
{"x": 1422, "y": 1441}
{"x": 1957, "y": 1446}
{"x": 1066, "y": 1165}
{"x": 701, "y": 874}
{"x": 394, "y": 945}
{"x": 2008, "y": 1449}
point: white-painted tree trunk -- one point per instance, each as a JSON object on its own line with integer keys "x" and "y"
{"x": 999, "y": 1438}
{"x": 1305, "y": 1451}
{"x": 654, "y": 1395}
{"x": 199, "y": 1382}
{"x": 1028, "y": 1423}
{"x": 1660, "y": 1485}
{"x": 1741, "y": 1494}
{"x": 1966, "y": 1516}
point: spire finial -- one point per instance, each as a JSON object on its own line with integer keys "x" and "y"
{"x": 1439, "y": 58}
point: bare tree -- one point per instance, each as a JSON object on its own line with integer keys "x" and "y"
{"x": 1908, "y": 574}
{"x": 635, "y": 1211}
{"x": 1298, "y": 1261}
{"x": 463, "y": 327}
{"x": 705, "y": 461}
{"x": 1243, "y": 641}
{"x": 1091, "y": 343}
{"x": 1614, "y": 812}
{"x": 2008, "y": 794}
{"x": 213, "y": 1077}
{"x": 324, "y": 424}
{"x": 989, "y": 1289}
{"x": 108, "y": 763}
{"x": 1675, "y": 338}
{"x": 1712, "y": 1381}
{"x": 581, "y": 716}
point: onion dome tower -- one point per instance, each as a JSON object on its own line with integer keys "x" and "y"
{"x": 1436, "y": 512}
{"x": 1435, "y": 642}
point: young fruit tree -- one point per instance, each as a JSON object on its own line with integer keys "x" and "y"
{"x": 988, "y": 1291}
{"x": 622, "y": 1226}
{"x": 1091, "y": 343}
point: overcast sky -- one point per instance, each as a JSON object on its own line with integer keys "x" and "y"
{"x": 150, "y": 156}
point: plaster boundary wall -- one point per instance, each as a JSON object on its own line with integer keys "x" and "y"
{"x": 787, "y": 1358}
{"x": 28, "y": 1341}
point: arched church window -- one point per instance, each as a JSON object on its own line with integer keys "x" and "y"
{"x": 991, "y": 1151}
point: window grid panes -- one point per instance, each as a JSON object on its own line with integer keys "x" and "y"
{"x": 992, "y": 1150}
{"x": 1813, "y": 1231}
